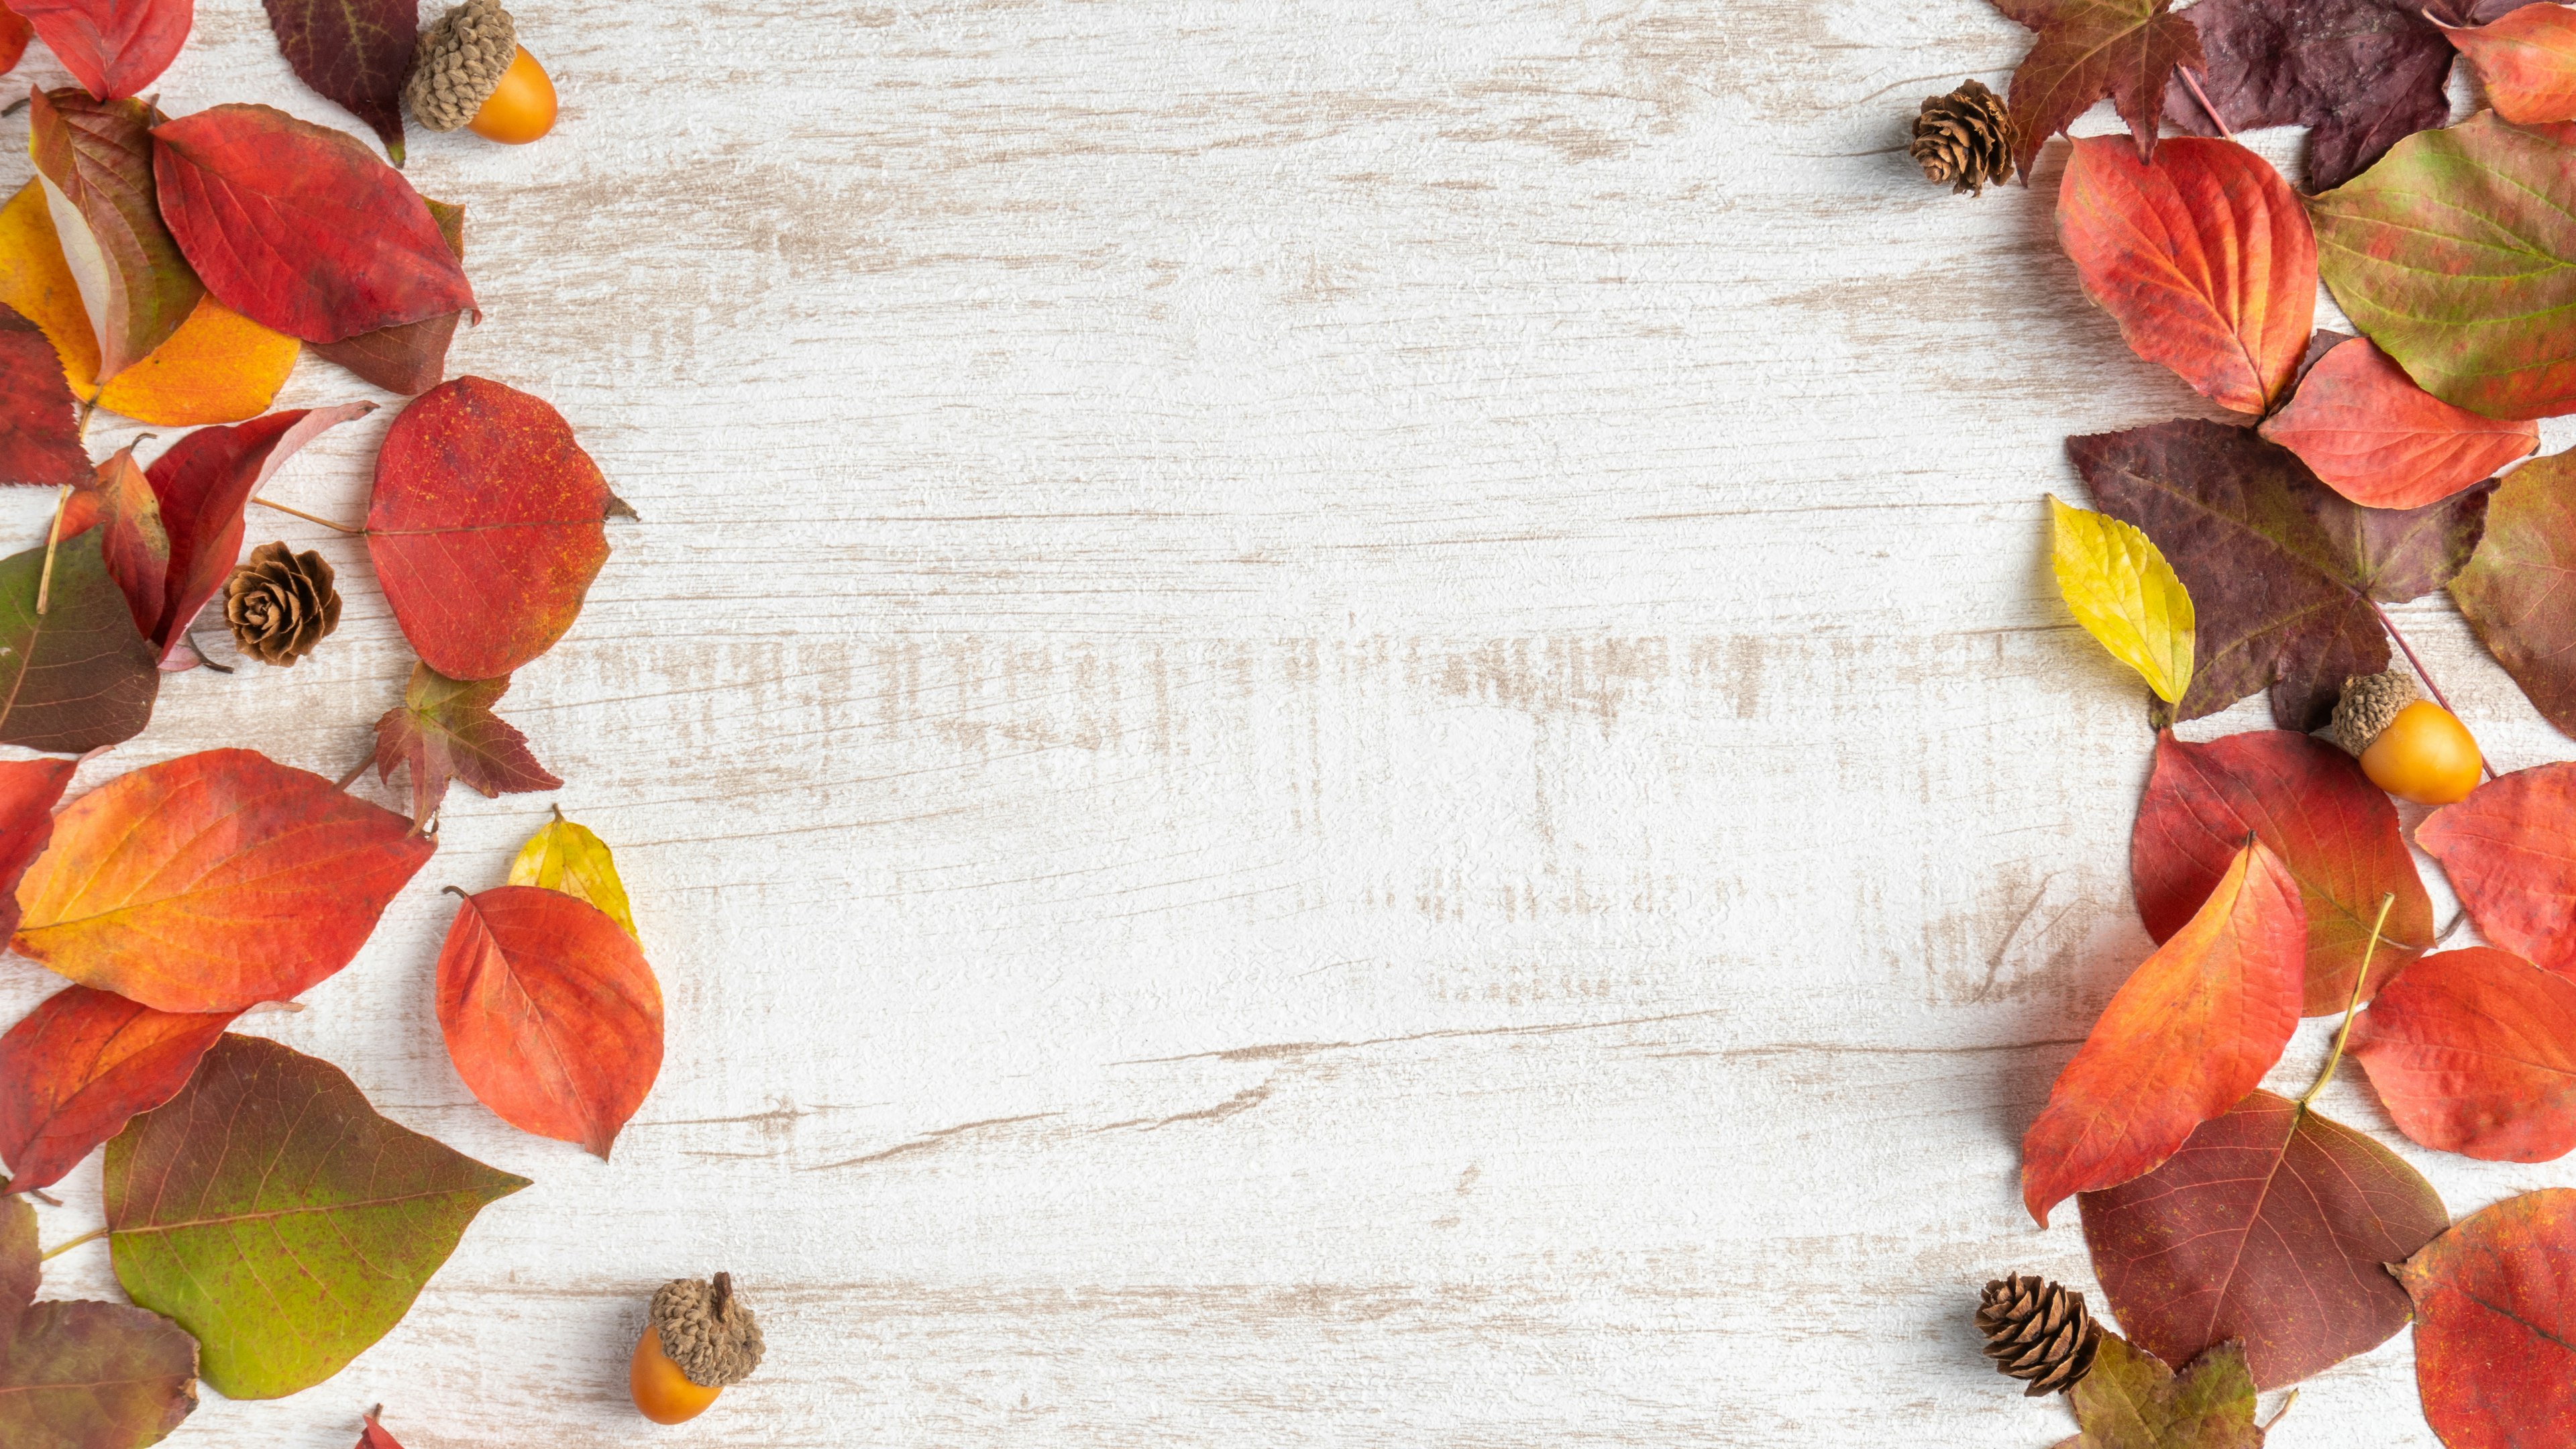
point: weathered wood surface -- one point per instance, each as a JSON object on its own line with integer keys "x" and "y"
{"x": 1336, "y": 723}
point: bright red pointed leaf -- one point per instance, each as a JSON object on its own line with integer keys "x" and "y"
{"x": 94, "y": 159}
{"x": 2527, "y": 62}
{"x": 413, "y": 357}
{"x": 39, "y": 437}
{"x": 2335, "y": 832}
{"x": 2495, "y": 1325}
{"x": 2510, "y": 851}
{"x": 213, "y": 882}
{"x": 114, "y": 48}
{"x": 14, "y": 35}
{"x": 78, "y": 676}
{"x": 2187, "y": 1035}
{"x": 2475, "y": 1052}
{"x": 2373, "y": 436}
{"x": 2204, "y": 258}
{"x": 29, "y": 790}
{"x": 135, "y": 546}
{"x": 2088, "y": 49}
{"x": 551, "y": 1015}
{"x": 357, "y": 52}
{"x": 446, "y": 730}
{"x": 2515, "y": 592}
{"x": 203, "y": 483}
{"x": 2271, "y": 1225}
{"x": 82, "y": 1375}
{"x": 374, "y": 1436}
{"x": 82, "y": 1063}
{"x": 485, "y": 527}
{"x": 301, "y": 228}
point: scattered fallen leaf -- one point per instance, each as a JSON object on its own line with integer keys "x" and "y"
{"x": 2282, "y": 570}
{"x": 114, "y": 48}
{"x": 373, "y": 1436}
{"x": 270, "y": 1169}
{"x": 2364, "y": 74}
{"x": 2445, "y": 251}
{"x": 2270, "y": 1226}
{"x": 356, "y": 52}
{"x": 2125, "y": 595}
{"x": 83, "y": 1375}
{"x": 213, "y": 882}
{"x": 2369, "y": 433}
{"x": 14, "y": 35}
{"x": 2132, "y": 1401}
{"x": 299, "y": 227}
{"x": 2308, "y": 802}
{"x": 94, "y": 161}
{"x": 2088, "y": 49}
{"x": 203, "y": 484}
{"x": 2474, "y": 1052}
{"x": 135, "y": 545}
{"x": 485, "y": 527}
{"x": 2495, "y": 1325}
{"x": 77, "y": 676}
{"x": 2204, "y": 258}
{"x": 29, "y": 790}
{"x": 551, "y": 1015}
{"x": 2510, "y": 851}
{"x": 74, "y": 1069}
{"x": 2191, "y": 1031}
{"x": 563, "y": 856}
{"x": 2512, "y": 592}
{"x": 39, "y": 436}
{"x": 411, "y": 358}
{"x": 445, "y": 730}
{"x": 2526, "y": 62}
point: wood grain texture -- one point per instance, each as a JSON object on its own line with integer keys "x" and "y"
{"x": 1335, "y": 723}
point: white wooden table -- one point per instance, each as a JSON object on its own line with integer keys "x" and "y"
{"x": 1336, "y": 723}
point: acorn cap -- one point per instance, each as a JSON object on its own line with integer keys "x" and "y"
{"x": 706, "y": 1332}
{"x": 2369, "y": 702}
{"x": 459, "y": 63}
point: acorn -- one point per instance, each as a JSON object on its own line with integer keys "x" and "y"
{"x": 699, "y": 1341}
{"x": 470, "y": 70}
{"x": 2409, "y": 746}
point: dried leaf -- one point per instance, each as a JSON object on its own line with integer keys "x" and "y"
{"x": 551, "y": 1015}
{"x": 114, "y": 48}
{"x": 411, "y": 358}
{"x": 2132, "y": 1401}
{"x": 213, "y": 882}
{"x": 2125, "y": 595}
{"x": 76, "y": 677}
{"x": 2205, "y": 259}
{"x": 135, "y": 545}
{"x": 82, "y": 1375}
{"x": 94, "y": 160}
{"x": 445, "y": 730}
{"x": 2282, "y": 570}
{"x": 2510, "y": 851}
{"x": 272, "y": 1213}
{"x": 82, "y": 1063}
{"x": 2475, "y": 1052}
{"x": 2269, "y": 1226}
{"x": 301, "y": 228}
{"x": 2526, "y": 61}
{"x": 356, "y": 52}
{"x": 29, "y": 790}
{"x": 566, "y": 857}
{"x": 203, "y": 485}
{"x": 2191, "y": 1031}
{"x": 2372, "y": 435}
{"x": 2364, "y": 74}
{"x": 2446, "y": 251}
{"x": 2495, "y": 1325}
{"x": 374, "y": 1436}
{"x": 14, "y": 35}
{"x": 2088, "y": 49}
{"x": 2513, "y": 593}
{"x": 39, "y": 437}
{"x": 2308, "y": 802}
{"x": 485, "y": 527}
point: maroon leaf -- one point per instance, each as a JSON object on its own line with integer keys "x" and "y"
{"x": 446, "y": 730}
{"x": 39, "y": 436}
{"x": 411, "y": 358}
{"x": 95, "y": 160}
{"x": 114, "y": 48}
{"x": 357, "y": 52}
{"x": 2088, "y": 49}
{"x": 2365, "y": 74}
{"x": 203, "y": 484}
{"x": 83, "y": 1375}
{"x": 82, "y": 1063}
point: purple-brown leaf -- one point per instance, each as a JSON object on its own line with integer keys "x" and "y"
{"x": 445, "y": 730}
{"x": 357, "y": 52}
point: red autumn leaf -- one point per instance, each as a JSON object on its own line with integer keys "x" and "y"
{"x": 2510, "y": 851}
{"x": 82, "y": 1063}
{"x": 135, "y": 547}
{"x": 2363, "y": 74}
{"x": 445, "y": 730}
{"x": 2270, "y": 1226}
{"x": 301, "y": 228}
{"x": 39, "y": 438}
{"x": 2372, "y": 435}
{"x": 2495, "y": 1325}
{"x": 2335, "y": 832}
{"x": 2527, "y": 62}
{"x": 2514, "y": 593}
{"x": 203, "y": 484}
{"x": 2204, "y": 258}
{"x": 357, "y": 52}
{"x": 114, "y": 48}
{"x": 485, "y": 527}
{"x": 82, "y": 1375}
{"x": 411, "y": 358}
{"x": 213, "y": 882}
{"x": 95, "y": 160}
{"x": 15, "y": 32}
{"x": 373, "y": 1436}
{"x": 77, "y": 676}
{"x": 551, "y": 1015}
{"x": 2475, "y": 1052}
{"x": 2088, "y": 49}
{"x": 29, "y": 790}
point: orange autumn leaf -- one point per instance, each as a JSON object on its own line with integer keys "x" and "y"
{"x": 219, "y": 367}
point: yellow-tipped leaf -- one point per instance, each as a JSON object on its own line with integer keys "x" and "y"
{"x": 2125, "y": 595}
{"x": 568, "y": 858}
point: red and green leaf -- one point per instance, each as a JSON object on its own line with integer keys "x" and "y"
{"x": 77, "y": 676}
{"x": 2130, "y": 1400}
{"x": 2474, "y": 1052}
{"x": 39, "y": 432}
{"x": 2510, "y": 851}
{"x": 2495, "y": 1325}
{"x": 114, "y": 48}
{"x": 2516, "y": 591}
{"x": 2526, "y": 61}
{"x": 2088, "y": 49}
{"x": 94, "y": 159}
{"x": 135, "y": 547}
{"x": 445, "y": 730}
{"x": 356, "y": 52}
{"x": 2372, "y": 435}
{"x": 83, "y": 1375}
{"x": 81, "y": 1064}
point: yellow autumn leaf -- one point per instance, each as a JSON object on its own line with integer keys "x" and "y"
{"x": 2125, "y": 595}
{"x": 568, "y": 858}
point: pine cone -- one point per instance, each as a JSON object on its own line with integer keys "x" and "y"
{"x": 2038, "y": 1331}
{"x": 1964, "y": 138}
{"x": 280, "y": 604}
{"x": 459, "y": 62}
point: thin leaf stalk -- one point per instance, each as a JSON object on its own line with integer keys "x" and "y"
{"x": 307, "y": 517}
{"x": 91, "y": 1236}
{"x": 2202, "y": 96}
{"x": 2352, "y": 1004}
{"x": 53, "y": 537}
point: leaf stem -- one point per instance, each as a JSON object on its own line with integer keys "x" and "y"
{"x": 351, "y": 778}
{"x": 2435, "y": 690}
{"x": 2283, "y": 1411}
{"x": 53, "y": 536}
{"x": 2202, "y": 96}
{"x": 307, "y": 517}
{"x": 2360, "y": 978}
{"x": 89, "y": 408}
{"x": 91, "y": 1236}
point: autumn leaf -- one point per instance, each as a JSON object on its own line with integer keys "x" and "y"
{"x": 2510, "y": 851}
{"x": 135, "y": 547}
{"x": 356, "y": 52}
{"x": 78, "y": 676}
{"x": 485, "y": 527}
{"x": 373, "y": 1435}
{"x": 551, "y": 1016}
{"x": 94, "y": 160}
{"x": 14, "y": 35}
{"x": 2369, "y": 433}
{"x": 411, "y": 358}
{"x": 83, "y": 1375}
{"x": 39, "y": 439}
{"x": 114, "y": 48}
{"x": 2475, "y": 1052}
{"x": 2088, "y": 49}
{"x": 2125, "y": 595}
{"x": 212, "y": 882}
{"x": 82, "y": 1063}
{"x": 445, "y": 730}
{"x": 2363, "y": 74}
{"x": 2132, "y": 1401}
{"x": 2513, "y": 591}
{"x": 2526, "y": 62}
{"x": 2308, "y": 802}
{"x": 2191, "y": 1031}
{"x": 563, "y": 856}
{"x": 299, "y": 227}
{"x": 203, "y": 484}
{"x": 2282, "y": 571}
{"x": 2204, "y": 259}
{"x": 270, "y": 1169}
{"x": 2270, "y": 1226}
{"x": 29, "y": 790}
{"x": 2447, "y": 251}
{"x": 2495, "y": 1325}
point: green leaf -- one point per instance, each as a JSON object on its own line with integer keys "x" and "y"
{"x": 278, "y": 1218}
{"x": 2126, "y": 596}
{"x": 2132, "y": 1401}
{"x": 78, "y": 675}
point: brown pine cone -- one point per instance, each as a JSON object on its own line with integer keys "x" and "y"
{"x": 458, "y": 63}
{"x": 1964, "y": 138}
{"x": 2038, "y": 1331}
{"x": 280, "y": 604}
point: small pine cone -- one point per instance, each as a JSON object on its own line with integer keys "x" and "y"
{"x": 706, "y": 1331}
{"x": 2368, "y": 703}
{"x": 1964, "y": 138}
{"x": 280, "y": 604}
{"x": 2038, "y": 1331}
{"x": 459, "y": 61}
